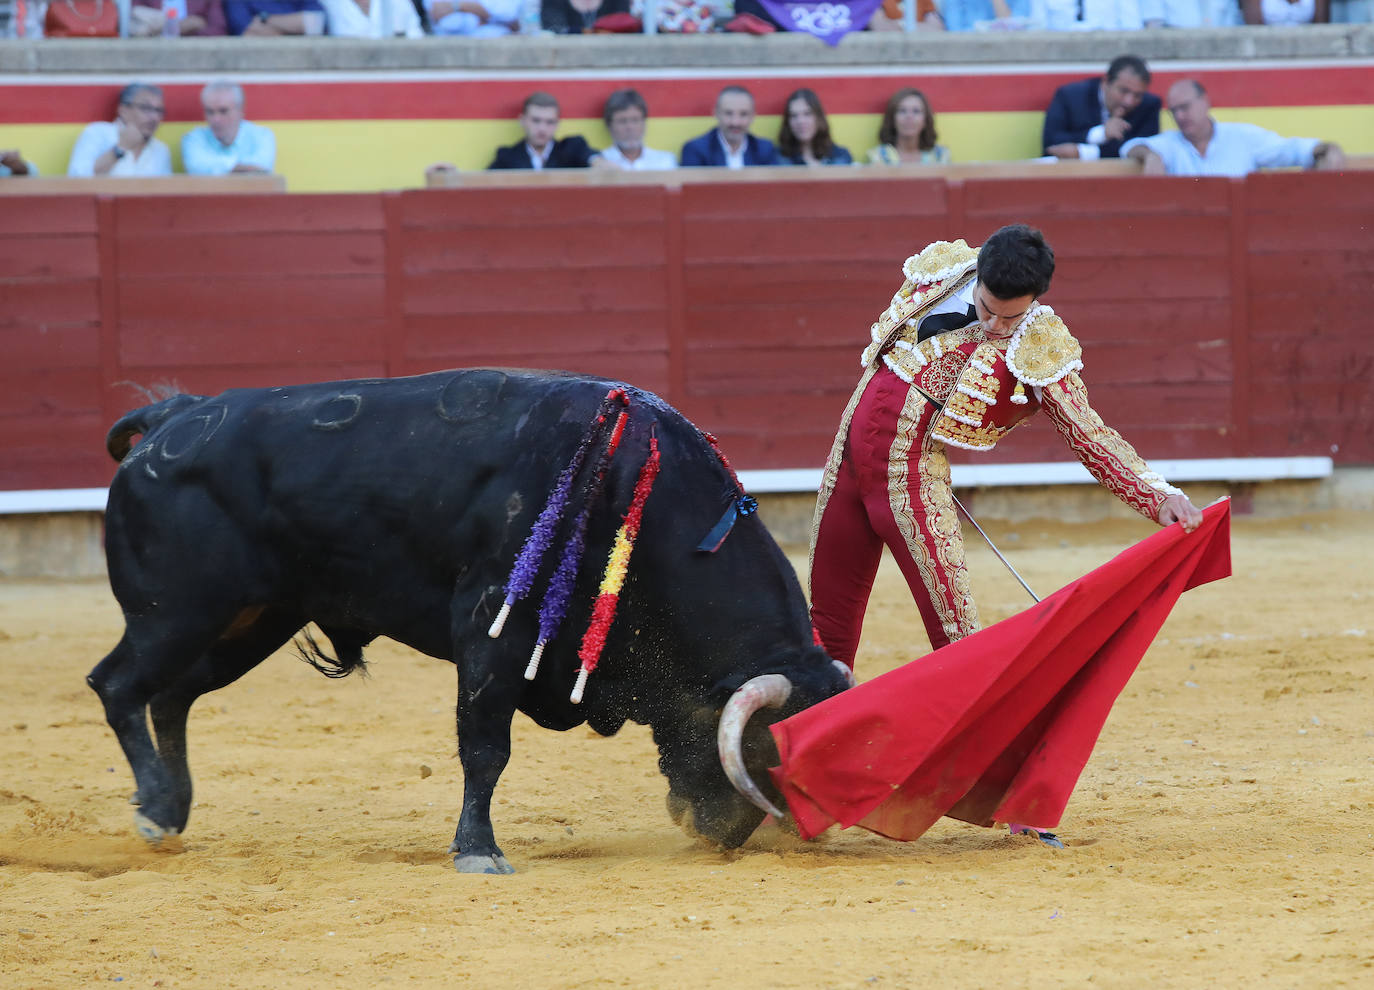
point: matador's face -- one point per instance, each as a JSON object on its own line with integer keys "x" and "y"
{"x": 999, "y": 317}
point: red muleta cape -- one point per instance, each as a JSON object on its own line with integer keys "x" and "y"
{"x": 996, "y": 727}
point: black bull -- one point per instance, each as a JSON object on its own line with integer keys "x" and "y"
{"x": 396, "y": 508}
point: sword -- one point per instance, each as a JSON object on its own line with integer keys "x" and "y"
{"x": 994, "y": 546}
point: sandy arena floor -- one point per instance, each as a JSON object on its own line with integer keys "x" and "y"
{"x": 1222, "y": 834}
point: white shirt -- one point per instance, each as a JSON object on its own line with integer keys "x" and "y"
{"x": 1283, "y": 12}
{"x": 1235, "y": 149}
{"x": 384, "y": 19}
{"x": 733, "y": 158}
{"x": 1097, "y": 15}
{"x": 100, "y": 137}
{"x": 649, "y": 160}
{"x": 539, "y": 159}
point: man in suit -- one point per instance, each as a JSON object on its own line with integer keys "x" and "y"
{"x": 539, "y": 119}
{"x": 729, "y": 143}
{"x": 1091, "y": 118}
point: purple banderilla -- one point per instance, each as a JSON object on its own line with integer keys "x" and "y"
{"x": 541, "y": 535}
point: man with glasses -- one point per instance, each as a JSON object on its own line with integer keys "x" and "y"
{"x": 125, "y": 146}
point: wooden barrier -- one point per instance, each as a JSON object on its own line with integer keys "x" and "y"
{"x": 1219, "y": 317}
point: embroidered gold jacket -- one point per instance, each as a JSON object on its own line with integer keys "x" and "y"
{"x": 984, "y": 388}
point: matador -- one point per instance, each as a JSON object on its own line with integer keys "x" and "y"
{"x": 964, "y": 353}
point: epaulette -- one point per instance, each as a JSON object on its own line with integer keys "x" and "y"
{"x": 1042, "y": 350}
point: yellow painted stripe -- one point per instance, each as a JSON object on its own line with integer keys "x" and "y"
{"x": 368, "y": 155}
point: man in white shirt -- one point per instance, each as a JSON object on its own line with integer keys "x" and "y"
{"x": 626, "y": 115}
{"x": 1204, "y": 146}
{"x": 126, "y": 146}
{"x": 227, "y": 143}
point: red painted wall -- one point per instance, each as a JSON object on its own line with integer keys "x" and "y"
{"x": 1218, "y": 317}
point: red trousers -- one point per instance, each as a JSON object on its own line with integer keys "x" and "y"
{"x": 892, "y": 490}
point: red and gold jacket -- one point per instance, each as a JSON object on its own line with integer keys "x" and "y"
{"x": 985, "y": 388}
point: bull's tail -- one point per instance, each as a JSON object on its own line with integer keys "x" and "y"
{"x": 119, "y": 441}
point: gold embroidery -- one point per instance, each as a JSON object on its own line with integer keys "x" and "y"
{"x": 1107, "y": 456}
{"x": 938, "y": 548}
{"x": 1042, "y": 351}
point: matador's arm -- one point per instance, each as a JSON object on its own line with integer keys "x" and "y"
{"x": 1109, "y": 458}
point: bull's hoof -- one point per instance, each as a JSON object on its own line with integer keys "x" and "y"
{"x": 678, "y": 807}
{"x": 151, "y": 831}
{"x": 482, "y": 864}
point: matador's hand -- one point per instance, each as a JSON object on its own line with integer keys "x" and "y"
{"x": 1179, "y": 509}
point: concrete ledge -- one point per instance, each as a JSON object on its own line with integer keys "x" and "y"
{"x": 200, "y": 57}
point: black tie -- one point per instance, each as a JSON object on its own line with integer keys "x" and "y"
{"x": 937, "y": 323}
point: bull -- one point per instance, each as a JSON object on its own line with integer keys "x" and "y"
{"x": 395, "y": 507}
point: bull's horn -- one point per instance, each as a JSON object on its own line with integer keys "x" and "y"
{"x": 765, "y": 691}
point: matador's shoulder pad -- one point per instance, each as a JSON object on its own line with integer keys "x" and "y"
{"x": 1042, "y": 350}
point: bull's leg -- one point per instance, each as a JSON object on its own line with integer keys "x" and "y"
{"x": 123, "y": 682}
{"x": 486, "y": 705}
{"x": 241, "y": 649}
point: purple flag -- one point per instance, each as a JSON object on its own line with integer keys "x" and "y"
{"x": 828, "y": 21}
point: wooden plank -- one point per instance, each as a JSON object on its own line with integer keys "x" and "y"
{"x": 1317, "y": 229}
{"x": 712, "y": 283}
{"x": 1042, "y": 202}
{"x": 1075, "y": 238}
{"x": 172, "y": 342}
{"x": 48, "y": 216}
{"x": 840, "y": 324}
{"x": 1303, "y": 192}
{"x": 49, "y": 256}
{"x": 26, "y": 391}
{"x": 776, "y": 371}
{"x": 54, "y": 450}
{"x": 459, "y": 338}
{"x": 884, "y": 242}
{"x": 1128, "y": 279}
{"x": 64, "y": 301}
{"x": 281, "y": 253}
{"x": 820, "y": 200}
{"x": 1346, "y": 273}
{"x": 33, "y": 346}
{"x": 240, "y": 299}
{"x": 219, "y": 215}
{"x": 529, "y": 207}
{"x": 1147, "y": 361}
{"x": 631, "y": 243}
{"x": 554, "y": 292}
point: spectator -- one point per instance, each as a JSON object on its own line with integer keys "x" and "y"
{"x": 1090, "y": 118}
{"x": 203, "y": 18}
{"x": 578, "y": 16}
{"x": 473, "y": 19}
{"x": 966, "y": 15}
{"x": 804, "y": 137}
{"x": 271, "y": 18}
{"x": 907, "y": 134}
{"x": 125, "y": 146}
{"x": 1286, "y": 11}
{"x": 1204, "y": 146}
{"x": 729, "y": 143}
{"x": 13, "y": 163}
{"x": 373, "y": 18}
{"x": 1352, "y": 11}
{"x": 1087, "y": 15}
{"x": 227, "y": 143}
{"x": 626, "y": 115}
{"x": 539, "y": 150}
{"x": 889, "y": 17}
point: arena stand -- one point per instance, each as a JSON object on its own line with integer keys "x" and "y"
{"x": 1214, "y": 313}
